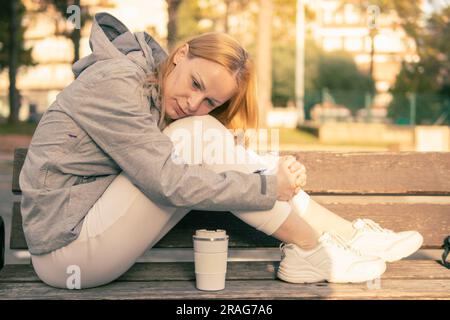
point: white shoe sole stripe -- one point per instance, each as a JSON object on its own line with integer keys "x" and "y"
{"x": 399, "y": 251}
{"x": 312, "y": 275}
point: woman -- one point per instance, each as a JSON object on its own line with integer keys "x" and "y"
{"x": 101, "y": 183}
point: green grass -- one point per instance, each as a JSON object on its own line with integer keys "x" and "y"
{"x": 21, "y": 128}
{"x": 294, "y": 136}
{"x": 359, "y": 144}
{"x": 287, "y": 136}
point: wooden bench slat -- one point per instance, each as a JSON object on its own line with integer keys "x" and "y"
{"x": 255, "y": 270}
{"x": 238, "y": 289}
{"x": 426, "y": 173}
{"x": 17, "y": 237}
{"x": 19, "y": 158}
{"x": 431, "y": 220}
{"x": 377, "y": 172}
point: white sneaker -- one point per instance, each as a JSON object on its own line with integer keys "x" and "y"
{"x": 371, "y": 239}
{"x": 331, "y": 261}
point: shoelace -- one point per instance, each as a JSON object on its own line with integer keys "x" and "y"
{"x": 337, "y": 240}
{"x": 371, "y": 225}
{"x": 331, "y": 239}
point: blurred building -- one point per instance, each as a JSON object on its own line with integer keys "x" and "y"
{"x": 53, "y": 52}
{"x": 345, "y": 25}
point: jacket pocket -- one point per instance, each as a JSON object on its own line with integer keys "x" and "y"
{"x": 84, "y": 180}
{"x": 56, "y": 138}
{"x": 57, "y": 134}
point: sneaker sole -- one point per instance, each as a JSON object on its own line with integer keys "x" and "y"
{"x": 306, "y": 275}
{"x": 311, "y": 275}
{"x": 403, "y": 248}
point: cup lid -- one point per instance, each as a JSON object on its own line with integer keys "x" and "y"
{"x": 210, "y": 235}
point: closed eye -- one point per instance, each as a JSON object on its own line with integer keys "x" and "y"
{"x": 197, "y": 85}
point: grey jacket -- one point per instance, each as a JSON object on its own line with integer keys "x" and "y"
{"x": 104, "y": 123}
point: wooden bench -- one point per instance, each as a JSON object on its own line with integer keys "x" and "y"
{"x": 401, "y": 191}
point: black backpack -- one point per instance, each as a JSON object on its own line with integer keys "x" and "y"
{"x": 446, "y": 247}
{"x": 2, "y": 243}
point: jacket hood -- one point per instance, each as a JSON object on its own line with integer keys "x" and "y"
{"x": 111, "y": 39}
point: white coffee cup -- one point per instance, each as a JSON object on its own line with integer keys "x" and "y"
{"x": 210, "y": 259}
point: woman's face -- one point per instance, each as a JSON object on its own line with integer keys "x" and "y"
{"x": 196, "y": 86}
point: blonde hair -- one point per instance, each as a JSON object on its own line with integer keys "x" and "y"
{"x": 241, "y": 111}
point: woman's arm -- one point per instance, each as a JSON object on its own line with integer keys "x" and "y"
{"x": 117, "y": 119}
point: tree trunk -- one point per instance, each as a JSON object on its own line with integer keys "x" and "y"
{"x": 172, "y": 8}
{"x": 76, "y": 38}
{"x": 264, "y": 59}
{"x": 12, "y": 62}
{"x": 372, "y": 35}
{"x": 226, "y": 17}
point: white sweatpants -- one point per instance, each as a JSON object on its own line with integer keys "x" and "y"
{"x": 124, "y": 223}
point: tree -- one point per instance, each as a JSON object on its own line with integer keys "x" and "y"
{"x": 232, "y": 7}
{"x": 425, "y": 81}
{"x": 335, "y": 71}
{"x": 339, "y": 74}
{"x": 200, "y": 16}
{"x": 413, "y": 80}
{"x": 264, "y": 59}
{"x": 284, "y": 55}
{"x": 73, "y": 33}
{"x": 12, "y": 51}
{"x": 283, "y": 73}
{"x": 428, "y": 78}
{"x": 172, "y": 24}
